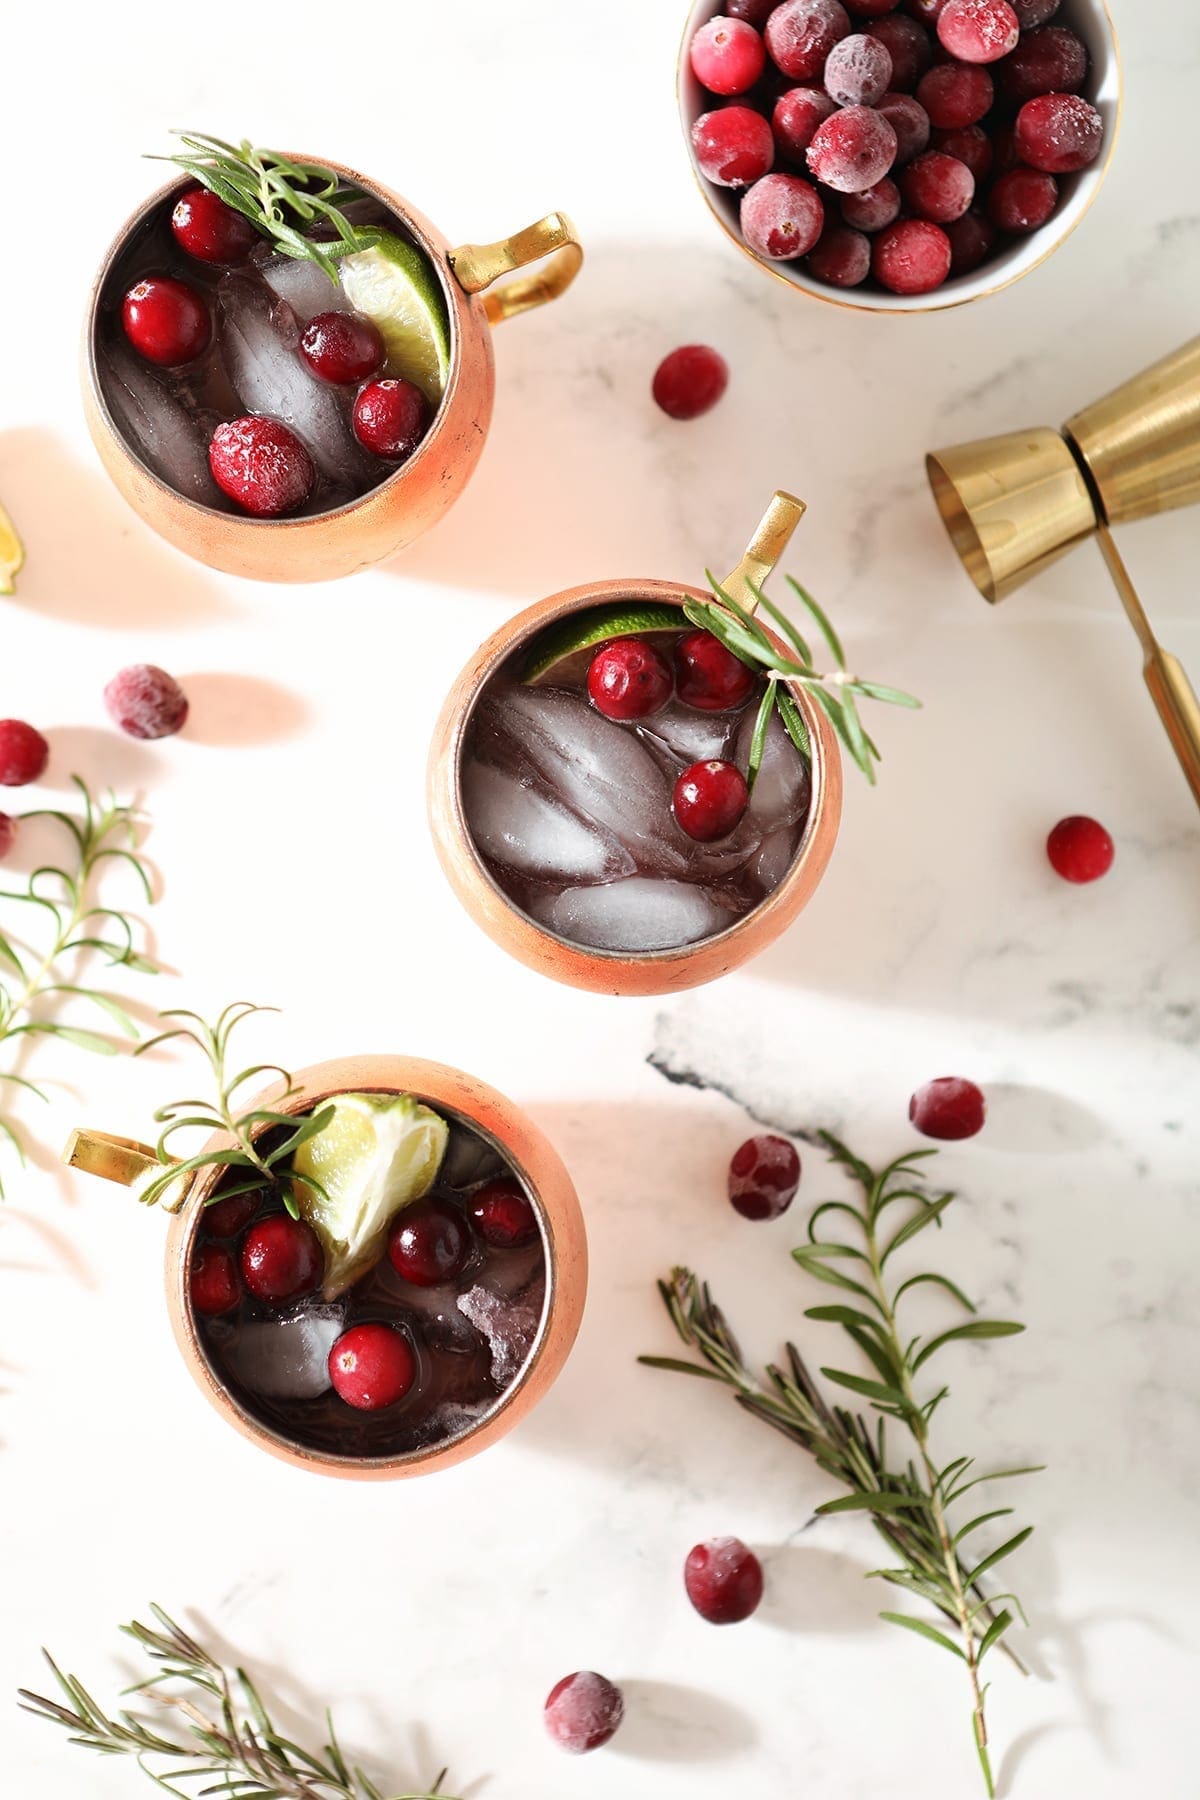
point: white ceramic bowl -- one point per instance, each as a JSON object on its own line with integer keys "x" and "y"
{"x": 1093, "y": 22}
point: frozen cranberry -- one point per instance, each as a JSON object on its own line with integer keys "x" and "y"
{"x": 911, "y": 257}
{"x": 734, "y": 146}
{"x": 342, "y": 347}
{"x": 910, "y": 122}
{"x": 1053, "y": 61}
{"x": 938, "y": 187}
{"x": 1080, "y": 849}
{"x": 372, "y": 1366}
{"x": 211, "y": 231}
{"x": 782, "y": 217}
{"x": 927, "y": 10}
{"x": 503, "y": 1215}
{"x": 709, "y": 676}
{"x": 796, "y": 116}
{"x": 709, "y": 799}
{"x": 261, "y": 465}
{"x": 842, "y": 258}
{"x": 853, "y": 150}
{"x": 874, "y": 208}
{"x": 629, "y": 679}
{"x": 583, "y": 1711}
{"x": 213, "y": 1283}
{"x": 225, "y": 1218}
{"x": 764, "y": 1175}
{"x": 954, "y": 95}
{"x": 971, "y": 145}
{"x": 166, "y": 321}
{"x": 146, "y": 702}
{"x": 1059, "y": 133}
{"x": 908, "y": 45}
{"x": 1033, "y": 13}
{"x": 858, "y": 70}
{"x": 24, "y": 753}
{"x": 8, "y": 834}
{"x": 1004, "y": 149}
{"x": 429, "y": 1243}
{"x": 948, "y": 1108}
{"x": 754, "y": 12}
{"x": 281, "y": 1259}
{"x": 801, "y": 33}
{"x": 724, "y": 1580}
{"x": 972, "y": 240}
{"x": 390, "y": 418}
{"x": 727, "y": 56}
{"x": 978, "y": 31}
{"x": 690, "y": 381}
{"x": 1022, "y": 200}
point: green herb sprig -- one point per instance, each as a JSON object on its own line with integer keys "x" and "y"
{"x": 226, "y": 1742}
{"x": 909, "y": 1502}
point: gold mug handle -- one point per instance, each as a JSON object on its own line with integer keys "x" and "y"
{"x": 765, "y": 548}
{"x": 477, "y": 266}
{"x": 119, "y": 1159}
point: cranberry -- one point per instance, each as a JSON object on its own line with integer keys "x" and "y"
{"x": 911, "y": 257}
{"x": 782, "y": 216}
{"x": 261, "y": 465}
{"x": 1080, "y": 849}
{"x": 874, "y": 208}
{"x": 764, "y": 1175}
{"x": 629, "y": 679}
{"x": 225, "y": 1218}
{"x": 1004, "y": 149}
{"x": 429, "y": 1243}
{"x": 938, "y": 187}
{"x": 1022, "y": 200}
{"x": 1059, "y": 133}
{"x": 166, "y": 321}
{"x": 972, "y": 240}
{"x": 754, "y": 12}
{"x": 870, "y": 9}
{"x": 734, "y": 146}
{"x": 372, "y": 1366}
{"x": 390, "y": 418}
{"x": 853, "y": 150}
{"x": 724, "y": 1580}
{"x": 928, "y": 10}
{"x": 801, "y": 33}
{"x": 727, "y": 56}
{"x": 858, "y": 71}
{"x": 910, "y": 122}
{"x": 842, "y": 258}
{"x": 907, "y": 43}
{"x": 8, "y": 833}
{"x": 709, "y": 799}
{"x": 971, "y": 145}
{"x": 146, "y": 702}
{"x": 978, "y": 31}
{"x": 954, "y": 95}
{"x": 1033, "y": 13}
{"x": 24, "y": 753}
{"x": 709, "y": 676}
{"x": 341, "y": 346}
{"x": 583, "y": 1711}
{"x": 281, "y": 1258}
{"x": 503, "y": 1215}
{"x": 948, "y": 1108}
{"x": 213, "y": 1283}
{"x": 796, "y": 116}
{"x": 1053, "y": 61}
{"x": 211, "y": 231}
{"x": 690, "y": 381}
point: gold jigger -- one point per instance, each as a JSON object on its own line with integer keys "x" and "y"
{"x": 1013, "y": 505}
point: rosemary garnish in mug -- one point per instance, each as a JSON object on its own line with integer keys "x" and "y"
{"x": 909, "y": 1500}
{"x": 226, "y": 1740}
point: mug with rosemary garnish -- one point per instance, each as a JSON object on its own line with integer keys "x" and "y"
{"x": 288, "y": 371}
{"x": 635, "y": 786}
{"x": 374, "y": 1269}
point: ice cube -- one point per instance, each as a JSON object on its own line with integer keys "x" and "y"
{"x": 775, "y": 856}
{"x": 781, "y": 792}
{"x": 170, "y": 440}
{"x": 508, "y": 1322}
{"x": 511, "y": 1272}
{"x": 514, "y": 823}
{"x": 306, "y": 288}
{"x": 688, "y": 736}
{"x": 640, "y": 914}
{"x": 452, "y": 1419}
{"x": 437, "y": 1318}
{"x": 469, "y": 1159}
{"x": 286, "y": 1359}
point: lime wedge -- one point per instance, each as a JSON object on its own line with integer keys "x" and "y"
{"x": 393, "y": 284}
{"x": 12, "y": 554}
{"x": 563, "y": 651}
{"x": 377, "y": 1153}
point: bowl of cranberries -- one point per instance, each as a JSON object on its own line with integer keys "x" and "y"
{"x": 900, "y": 155}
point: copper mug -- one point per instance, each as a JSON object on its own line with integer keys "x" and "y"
{"x": 402, "y": 507}
{"x": 535, "y": 1163}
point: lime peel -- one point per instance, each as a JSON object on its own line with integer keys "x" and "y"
{"x": 393, "y": 284}
{"x": 562, "y": 651}
{"x": 12, "y": 554}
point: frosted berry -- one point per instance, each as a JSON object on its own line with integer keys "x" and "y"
{"x": 954, "y": 95}
{"x": 8, "y": 834}
{"x": 724, "y": 1580}
{"x": 910, "y": 122}
{"x": 24, "y": 753}
{"x": 734, "y": 146}
{"x": 764, "y": 1175}
{"x": 629, "y": 679}
{"x": 211, "y": 231}
{"x": 213, "y": 1283}
{"x": 262, "y": 465}
{"x": 1033, "y": 13}
{"x": 342, "y": 347}
{"x": 709, "y": 800}
{"x": 842, "y": 258}
{"x": 908, "y": 45}
{"x": 1059, "y": 133}
{"x": 690, "y": 381}
{"x": 948, "y": 1108}
{"x": 146, "y": 702}
{"x": 874, "y": 208}
{"x": 390, "y": 418}
{"x": 795, "y": 118}
{"x": 972, "y": 240}
{"x": 429, "y": 1243}
{"x": 709, "y": 676}
{"x": 727, "y": 56}
{"x": 971, "y": 145}
{"x": 166, "y": 321}
{"x": 372, "y": 1366}
{"x": 1022, "y": 200}
{"x": 754, "y": 12}
{"x": 503, "y": 1215}
{"x": 225, "y": 1218}
{"x": 853, "y": 150}
{"x": 1053, "y": 61}
{"x": 782, "y": 216}
{"x": 801, "y": 33}
{"x": 938, "y": 187}
{"x": 911, "y": 257}
{"x": 978, "y": 31}
{"x": 583, "y": 1711}
{"x": 1080, "y": 849}
{"x": 281, "y": 1259}
{"x": 858, "y": 70}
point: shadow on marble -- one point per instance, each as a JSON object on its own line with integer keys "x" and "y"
{"x": 234, "y": 711}
{"x": 808, "y": 1588}
{"x": 1031, "y": 1121}
{"x": 104, "y": 758}
{"x": 667, "y": 1722}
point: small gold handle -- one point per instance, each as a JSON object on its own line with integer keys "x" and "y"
{"x": 1166, "y": 678}
{"x": 477, "y": 266}
{"x": 765, "y": 548}
{"x": 119, "y": 1159}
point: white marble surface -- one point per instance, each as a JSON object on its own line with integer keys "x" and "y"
{"x": 289, "y": 832}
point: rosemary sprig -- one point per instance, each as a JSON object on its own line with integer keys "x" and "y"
{"x": 260, "y": 1169}
{"x": 908, "y": 1502}
{"x": 64, "y": 901}
{"x": 226, "y": 1739}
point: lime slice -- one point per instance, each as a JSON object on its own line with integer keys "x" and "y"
{"x": 393, "y": 284}
{"x": 12, "y": 554}
{"x": 563, "y": 651}
{"x": 377, "y": 1153}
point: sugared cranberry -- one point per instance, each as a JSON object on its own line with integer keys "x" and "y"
{"x": 853, "y": 150}
{"x": 754, "y": 12}
{"x": 734, "y": 146}
{"x": 948, "y": 1108}
{"x": 629, "y": 679}
{"x": 764, "y": 1175}
{"x": 709, "y": 799}
{"x": 166, "y": 321}
{"x": 938, "y": 187}
{"x": 727, "y": 56}
{"x": 24, "y": 753}
{"x": 225, "y": 1218}
{"x": 782, "y": 216}
{"x": 842, "y": 258}
{"x": 1080, "y": 849}
{"x": 858, "y": 70}
{"x": 690, "y": 381}
{"x": 390, "y": 418}
{"x": 8, "y": 834}
{"x": 146, "y": 702}
{"x": 1053, "y": 61}
{"x": 978, "y": 31}
{"x": 724, "y": 1580}
{"x": 1033, "y": 13}
{"x": 372, "y": 1366}
{"x": 1059, "y": 133}
{"x": 429, "y": 1243}
{"x": 908, "y": 45}
{"x": 281, "y": 1259}
{"x": 911, "y": 257}
{"x": 972, "y": 240}
{"x": 708, "y": 676}
{"x": 503, "y": 1215}
{"x": 801, "y": 33}
{"x": 796, "y": 115}
{"x": 971, "y": 145}
{"x": 910, "y": 122}
{"x": 874, "y": 208}
{"x": 213, "y": 1284}
{"x": 954, "y": 95}
{"x": 1022, "y": 200}
{"x": 211, "y": 231}
{"x": 583, "y": 1711}
{"x": 261, "y": 465}
{"x": 342, "y": 347}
